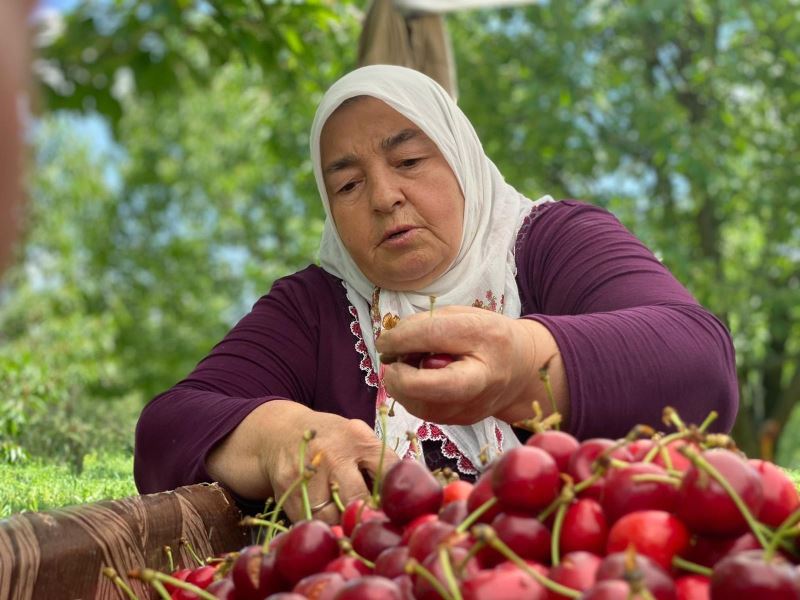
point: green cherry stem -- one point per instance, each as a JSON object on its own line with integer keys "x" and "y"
{"x": 712, "y": 416}
{"x": 157, "y": 579}
{"x": 555, "y": 539}
{"x": 278, "y": 506}
{"x": 544, "y": 377}
{"x": 414, "y": 568}
{"x": 487, "y": 534}
{"x": 673, "y": 481}
{"x": 160, "y": 589}
{"x": 337, "y": 499}
{"x": 170, "y": 560}
{"x": 471, "y": 553}
{"x": 447, "y": 571}
{"x": 256, "y": 522}
{"x": 692, "y": 567}
{"x": 347, "y": 548}
{"x": 185, "y": 542}
{"x": 702, "y": 463}
{"x": 118, "y": 581}
{"x": 378, "y": 480}
{"x": 307, "y": 437}
{"x": 781, "y": 533}
{"x": 475, "y": 515}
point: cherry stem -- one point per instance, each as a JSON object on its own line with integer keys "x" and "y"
{"x": 702, "y": 463}
{"x": 378, "y": 480}
{"x": 347, "y": 548}
{"x": 162, "y": 591}
{"x": 187, "y": 544}
{"x": 157, "y": 579}
{"x": 117, "y": 580}
{"x": 432, "y": 300}
{"x": 170, "y": 561}
{"x": 256, "y": 522}
{"x": 487, "y": 534}
{"x": 475, "y": 515}
{"x": 337, "y": 499}
{"x": 673, "y": 481}
{"x": 307, "y": 437}
{"x": 692, "y": 567}
{"x": 670, "y": 417}
{"x": 555, "y": 539}
{"x": 782, "y": 533}
{"x": 414, "y": 568}
{"x": 712, "y": 416}
{"x": 471, "y": 553}
{"x": 544, "y": 377}
{"x": 447, "y": 571}
{"x": 278, "y": 506}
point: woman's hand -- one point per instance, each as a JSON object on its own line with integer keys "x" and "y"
{"x": 260, "y": 458}
{"x": 495, "y": 371}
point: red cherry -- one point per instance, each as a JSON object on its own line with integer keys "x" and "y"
{"x": 412, "y": 526}
{"x": 625, "y": 492}
{"x": 427, "y": 538}
{"x": 482, "y": 493}
{"x": 348, "y": 567}
{"x": 705, "y": 506}
{"x": 558, "y": 444}
{"x": 655, "y": 533}
{"x": 610, "y": 589}
{"x": 410, "y": 489}
{"x": 748, "y": 575}
{"x": 693, "y": 587}
{"x": 413, "y": 359}
{"x": 202, "y": 576}
{"x": 320, "y": 586}
{"x": 708, "y": 550}
{"x": 780, "y": 494}
{"x": 584, "y": 527}
{"x": 657, "y": 581}
{"x": 577, "y": 570}
{"x": 373, "y": 537}
{"x": 505, "y": 582}
{"x": 309, "y": 546}
{"x": 370, "y": 587}
{"x": 358, "y": 511}
{"x": 423, "y": 590}
{"x": 525, "y": 479}
{"x": 436, "y": 361}
{"x": 454, "y": 512}
{"x": 181, "y": 574}
{"x": 525, "y": 535}
{"x": 224, "y": 589}
{"x": 391, "y": 562}
{"x": 582, "y": 462}
{"x": 456, "y": 490}
{"x": 255, "y": 575}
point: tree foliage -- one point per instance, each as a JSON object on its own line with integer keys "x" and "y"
{"x": 681, "y": 117}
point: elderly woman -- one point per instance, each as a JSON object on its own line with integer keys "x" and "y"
{"x": 416, "y": 209}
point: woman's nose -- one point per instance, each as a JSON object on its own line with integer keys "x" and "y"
{"x": 386, "y": 193}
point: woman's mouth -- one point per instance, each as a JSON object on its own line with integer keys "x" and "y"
{"x": 398, "y": 236}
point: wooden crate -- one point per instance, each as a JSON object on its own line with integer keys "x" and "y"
{"x": 62, "y": 553}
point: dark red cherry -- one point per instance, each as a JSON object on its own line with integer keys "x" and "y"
{"x": 748, "y": 575}
{"x": 373, "y": 537}
{"x": 348, "y": 567}
{"x": 409, "y": 490}
{"x": 504, "y": 582}
{"x": 320, "y": 586}
{"x": 358, "y": 511}
{"x": 308, "y": 547}
{"x": 525, "y": 535}
{"x": 577, "y": 570}
{"x": 436, "y": 361}
{"x": 255, "y": 575}
{"x": 481, "y": 493}
{"x": 584, "y": 527}
{"x": 371, "y": 587}
{"x": 657, "y": 581}
{"x": 525, "y": 479}
{"x": 582, "y": 462}
{"x": 558, "y": 444}
{"x": 391, "y": 562}
{"x": 639, "y": 486}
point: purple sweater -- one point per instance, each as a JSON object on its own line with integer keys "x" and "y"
{"x": 632, "y": 338}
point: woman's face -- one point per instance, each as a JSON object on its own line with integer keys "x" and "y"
{"x": 395, "y": 201}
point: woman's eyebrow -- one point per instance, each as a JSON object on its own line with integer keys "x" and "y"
{"x": 403, "y": 136}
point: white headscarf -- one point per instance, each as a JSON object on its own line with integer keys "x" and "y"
{"x": 483, "y": 273}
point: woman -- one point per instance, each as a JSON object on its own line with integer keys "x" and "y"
{"x": 415, "y": 209}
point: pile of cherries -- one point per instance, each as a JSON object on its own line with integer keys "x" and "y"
{"x": 683, "y": 516}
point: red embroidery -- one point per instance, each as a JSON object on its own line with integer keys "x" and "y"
{"x": 370, "y": 377}
{"x": 429, "y": 431}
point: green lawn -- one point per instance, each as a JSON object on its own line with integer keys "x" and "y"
{"x": 36, "y": 485}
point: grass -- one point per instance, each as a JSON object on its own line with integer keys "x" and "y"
{"x": 37, "y": 485}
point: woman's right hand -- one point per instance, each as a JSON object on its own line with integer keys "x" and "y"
{"x": 260, "y": 458}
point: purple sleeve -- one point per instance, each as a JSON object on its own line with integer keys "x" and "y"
{"x": 270, "y": 353}
{"x": 632, "y": 338}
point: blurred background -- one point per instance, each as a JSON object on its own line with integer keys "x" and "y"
{"x": 170, "y": 185}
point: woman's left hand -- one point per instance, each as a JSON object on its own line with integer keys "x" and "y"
{"x": 495, "y": 371}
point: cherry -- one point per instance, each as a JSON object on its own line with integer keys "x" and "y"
{"x": 255, "y": 575}
{"x": 410, "y": 489}
{"x": 181, "y": 574}
{"x": 611, "y": 589}
{"x": 625, "y": 492}
{"x": 505, "y": 582}
{"x": 456, "y": 490}
{"x": 780, "y": 494}
{"x": 454, "y": 512}
{"x": 748, "y": 575}
{"x": 558, "y": 444}
{"x": 708, "y": 550}
{"x": 693, "y": 587}
{"x": 639, "y": 449}
{"x": 423, "y": 590}
{"x": 358, "y": 511}
{"x": 373, "y": 537}
{"x": 657, "y": 581}
{"x": 370, "y": 587}
{"x": 584, "y": 527}
{"x": 436, "y": 361}
{"x": 481, "y": 493}
{"x": 525, "y": 535}
{"x": 348, "y": 567}
{"x": 224, "y": 589}
{"x": 655, "y": 533}
{"x": 391, "y": 562}
{"x": 285, "y": 596}
{"x": 413, "y": 359}
{"x": 427, "y": 538}
{"x": 577, "y": 570}
{"x": 321, "y": 586}
{"x": 526, "y": 479}
{"x": 309, "y": 546}
{"x": 581, "y": 463}
{"x": 412, "y": 526}
{"x": 705, "y": 506}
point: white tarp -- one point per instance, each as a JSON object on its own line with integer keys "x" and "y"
{"x": 444, "y": 6}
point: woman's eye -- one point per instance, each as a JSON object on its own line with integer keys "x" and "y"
{"x": 347, "y": 187}
{"x": 409, "y": 162}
